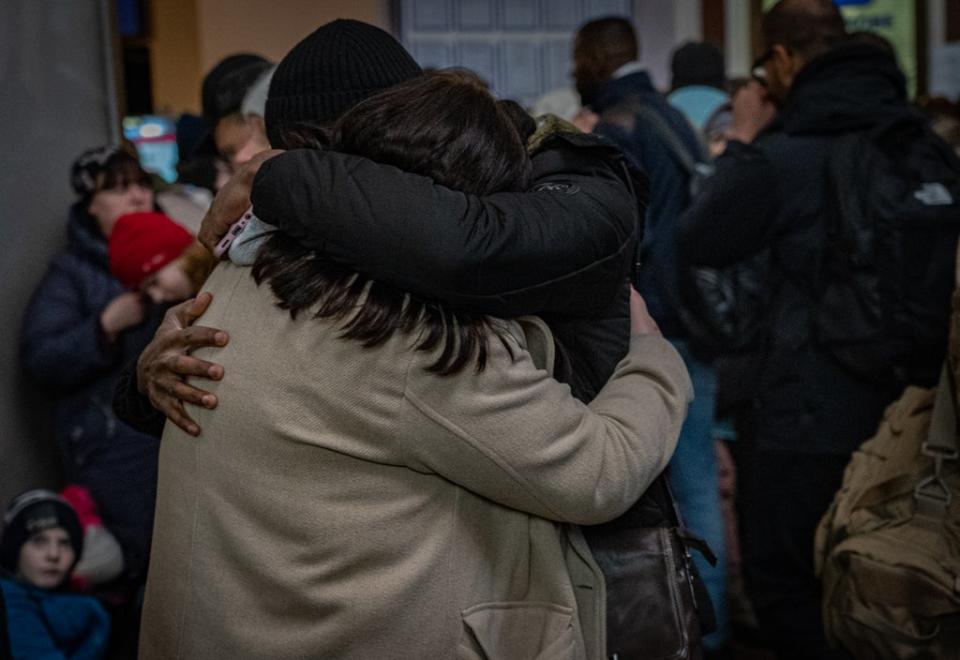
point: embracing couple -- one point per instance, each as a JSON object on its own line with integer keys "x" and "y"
{"x": 389, "y": 464}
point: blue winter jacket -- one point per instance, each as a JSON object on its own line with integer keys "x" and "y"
{"x": 49, "y": 625}
{"x": 669, "y": 187}
{"x": 64, "y": 351}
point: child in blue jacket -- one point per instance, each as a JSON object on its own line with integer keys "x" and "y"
{"x": 41, "y": 543}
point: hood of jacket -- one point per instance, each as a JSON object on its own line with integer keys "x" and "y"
{"x": 851, "y": 87}
{"x": 84, "y": 237}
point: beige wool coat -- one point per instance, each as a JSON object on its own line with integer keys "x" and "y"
{"x": 342, "y": 502}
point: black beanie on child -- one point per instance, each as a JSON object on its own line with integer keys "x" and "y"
{"x": 698, "y": 63}
{"x": 32, "y": 512}
{"x": 88, "y": 166}
{"x": 333, "y": 69}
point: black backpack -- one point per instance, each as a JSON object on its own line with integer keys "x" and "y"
{"x": 882, "y": 295}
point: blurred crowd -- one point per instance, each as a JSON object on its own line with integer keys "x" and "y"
{"x": 671, "y": 257}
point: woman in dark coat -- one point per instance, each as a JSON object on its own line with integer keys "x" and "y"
{"x": 80, "y": 328}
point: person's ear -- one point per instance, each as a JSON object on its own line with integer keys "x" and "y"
{"x": 784, "y": 64}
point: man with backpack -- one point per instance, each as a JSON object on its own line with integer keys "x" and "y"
{"x": 854, "y": 203}
{"x": 658, "y": 138}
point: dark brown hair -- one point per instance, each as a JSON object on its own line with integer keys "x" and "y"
{"x": 807, "y": 28}
{"x": 602, "y": 46}
{"x": 122, "y": 169}
{"x": 443, "y": 125}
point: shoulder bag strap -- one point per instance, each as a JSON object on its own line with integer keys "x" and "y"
{"x": 930, "y": 490}
{"x": 624, "y": 115}
{"x": 933, "y": 494}
{"x": 681, "y": 153}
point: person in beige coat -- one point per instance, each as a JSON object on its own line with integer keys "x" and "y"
{"x": 384, "y": 478}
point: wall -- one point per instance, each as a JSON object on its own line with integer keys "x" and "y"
{"x": 189, "y": 37}
{"x": 271, "y": 27}
{"x": 662, "y": 25}
{"x": 738, "y": 47}
{"x": 55, "y": 64}
{"x": 175, "y": 65}
{"x": 943, "y": 48}
{"x": 521, "y": 49}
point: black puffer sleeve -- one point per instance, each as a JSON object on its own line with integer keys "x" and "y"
{"x": 564, "y": 245}
{"x": 135, "y": 408}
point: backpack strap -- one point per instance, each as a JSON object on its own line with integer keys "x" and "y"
{"x": 625, "y": 114}
{"x": 681, "y": 153}
{"x": 942, "y": 436}
{"x": 933, "y": 494}
{"x": 931, "y": 491}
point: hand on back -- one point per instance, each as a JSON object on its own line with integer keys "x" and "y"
{"x": 165, "y": 363}
{"x": 641, "y": 323}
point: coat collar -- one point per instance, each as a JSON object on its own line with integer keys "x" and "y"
{"x": 83, "y": 236}
{"x": 637, "y": 82}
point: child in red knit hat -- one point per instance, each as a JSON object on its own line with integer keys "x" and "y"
{"x": 152, "y": 254}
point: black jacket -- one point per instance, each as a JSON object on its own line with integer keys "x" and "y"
{"x": 563, "y": 250}
{"x": 562, "y": 247}
{"x": 772, "y": 196}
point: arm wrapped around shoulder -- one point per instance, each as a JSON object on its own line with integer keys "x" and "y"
{"x": 565, "y": 245}
{"x": 515, "y": 435}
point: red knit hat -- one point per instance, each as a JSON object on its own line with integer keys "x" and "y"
{"x": 143, "y": 243}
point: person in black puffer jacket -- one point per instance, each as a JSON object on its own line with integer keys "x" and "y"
{"x": 771, "y": 194}
{"x": 79, "y": 329}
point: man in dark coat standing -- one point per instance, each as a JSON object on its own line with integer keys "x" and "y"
{"x": 771, "y": 193}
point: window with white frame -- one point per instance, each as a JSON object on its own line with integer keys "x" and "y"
{"x": 522, "y": 48}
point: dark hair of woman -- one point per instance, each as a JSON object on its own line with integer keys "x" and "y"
{"x": 525, "y": 124}
{"x": 122, "y": 169}
{"x": 442, "y": 125}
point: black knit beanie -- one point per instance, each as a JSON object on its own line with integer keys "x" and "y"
{"x": 698, "y": 63}
{"x": 32, "y": 512}
{"x": 332, "y": 70}
{"x": 88, "y": 166}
